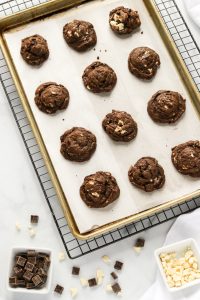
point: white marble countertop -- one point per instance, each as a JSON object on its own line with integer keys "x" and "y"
{"x": 21, "y": 195}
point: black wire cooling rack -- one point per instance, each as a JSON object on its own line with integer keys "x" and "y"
{"x": 75, "y": 248}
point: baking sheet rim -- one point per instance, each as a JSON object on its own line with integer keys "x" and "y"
{"x": 187, "y": 80}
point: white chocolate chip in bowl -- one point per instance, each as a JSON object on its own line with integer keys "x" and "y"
{"x": 179, "y": 264}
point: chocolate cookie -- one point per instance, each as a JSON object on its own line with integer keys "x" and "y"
{"x": 120, "y": 126}
{"x": 99, "y": 78}
{"x": 80, "y": 35}
{"x": 78, "y": 144}
{"x": 99, "y": 189}
{"x": 166, "y": 106}
{"x": 147, "y": 174}
{"x": 50, "y": 97}
{"x": 124, "y": 20}
{"x": 143, "y": 62}
{"x": 186, "y": 158}
{"x": 34, "y": 50}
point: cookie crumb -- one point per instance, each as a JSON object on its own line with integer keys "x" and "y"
{"x": 99, "y": 276}
{"x": 106, "y": 259}
{"x": 61, "y": 256}
{"x": 109, "y": 288}
{"x": 84, "y": 282}
{"x": 32, "y": 232}
{"x": 18, "y": 226}
{"x": 141, "y": 32}
{"x": 98, "y": 58}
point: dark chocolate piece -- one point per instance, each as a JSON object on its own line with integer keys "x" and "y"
{"x": 99, "y": 189}
{"x": 37, "y": 280}
{"x": 139, "y": 243}
{"x": 28, "y": 275}
{"x": 18, "y": 271}
{"x": 92, "y": 282}
{"x": 118, "y": 265}
{"x": 41, "y": 272}
{"x": 21, "y": 261}
{"x": 29, "y": 267}
{"x": 34, "y": 219}
{"x": 13, "y": 281}
{"x": 75, "y": 270}
{"x": 31, "y": 253}
{"x": 116, "y": 288}
{"x": 32, "y": 260}
{"x": 114, "y": 275}
{"x": 30, "y": 285}
{"x": 21, "y": 283}
{"x": 58, "y": 289}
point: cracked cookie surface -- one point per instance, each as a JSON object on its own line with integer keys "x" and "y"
{"x": 99, "y": 189}
{"x": 80, "y": 35}
{"x": 78, "y": 144}
{"x": 166, "y": 106}
{"x": 34, "y": 50}
{"x": 120, "y": 126}
{"x": 99, "y": 78}
{"x": 124, "y": 20}
{"x": 143, "y": 62}
{"x": 51, "y": 97}
{"x": 186, "y": 158}
{"x": 147, "y": 174}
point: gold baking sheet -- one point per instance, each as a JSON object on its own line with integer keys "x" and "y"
{"x": 55, "y": 179}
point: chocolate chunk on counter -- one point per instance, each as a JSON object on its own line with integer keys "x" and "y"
{"x": 58, "y": 289}
{"x": 118, "y": 265}
{"x": 140, "y": 242}
{"x": 114, "y": 275}
{"x": 92, "y": 282}
{"x": 116, "y": 288}
{"x": 75, "y": 271}
{"x": 34, "y": 219}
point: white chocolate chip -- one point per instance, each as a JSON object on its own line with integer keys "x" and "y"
{"x": 61, "y": 256}
{"x": 137, "y": 249}
{"x": 88, "y": 87}
{"x": 18, "y": 226}
{"x": 32, "y": 232}
{"x": 99, "y": 276}
{"x": 73, "y": 292}
{"x": 84, "y": 282}
{"x": 109, "y": 288}
{"x": 95, "y": 194}
{"x": 106, "y": 259}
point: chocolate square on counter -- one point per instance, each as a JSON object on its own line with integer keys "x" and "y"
{"x": 75, "y": 271}
{"x": 118, "y": 265}
{"x": 92, "y": 282}
{"x": 116, "y": 288}
{"x": 34, "y": 219}
{"x": 139, "y": 243}
{"x": 114, "y": 275}
{"x": 58, "y": 289}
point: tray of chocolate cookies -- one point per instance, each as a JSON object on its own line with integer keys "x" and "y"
{"x": 112, "y": 105}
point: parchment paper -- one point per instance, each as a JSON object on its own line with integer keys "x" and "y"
{"x": 66, "y": 66}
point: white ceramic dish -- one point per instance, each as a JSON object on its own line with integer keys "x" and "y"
{"x": 179, "y": 248}
{"x": 42, "y": 291}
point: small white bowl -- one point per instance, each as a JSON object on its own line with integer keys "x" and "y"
{"x": 179, "y": 248}
{"x": 42, "y": 291}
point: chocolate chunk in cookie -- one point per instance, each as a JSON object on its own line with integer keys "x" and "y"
{"x": 147, "y": 174}
{"x": 80, "y": 35}
{"x": 120, "y": 126}
{"x": 186, "y": 158}
{"x": 34, "y": 50}
{"x": 143, "y": 62}
{"x": 78, "y": 144}
{"x": 51, "y": 97}
{"x": 99, "y": 78}
{"x": 166, "y": 107}
{"x": 124, "y": 20}
{"x": 99, "y": 189}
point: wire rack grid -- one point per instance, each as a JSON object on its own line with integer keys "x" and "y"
{"x": 76, "y": 248}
